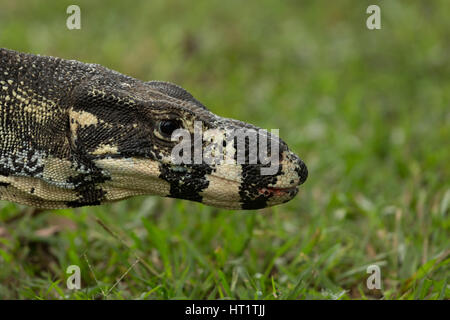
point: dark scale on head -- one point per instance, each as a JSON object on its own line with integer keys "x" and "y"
{"x": 87, "y": 185}
{"x": 186, "y": 185}
{"x": 249, "y": 190}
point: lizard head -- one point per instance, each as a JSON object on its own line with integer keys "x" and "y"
{"x": 88, "y": 135}
{"x": 155, "y": 138}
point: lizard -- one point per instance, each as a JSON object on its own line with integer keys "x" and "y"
{"x": 77, "y": 134}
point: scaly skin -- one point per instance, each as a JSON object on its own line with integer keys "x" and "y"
{"x": 76, "y": 134}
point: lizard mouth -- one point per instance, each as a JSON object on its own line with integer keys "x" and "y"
{"x": 267, "y": 190}
{"x": 278, "y": 192}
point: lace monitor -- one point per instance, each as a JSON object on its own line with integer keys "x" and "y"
{"x": 75, "y": 134}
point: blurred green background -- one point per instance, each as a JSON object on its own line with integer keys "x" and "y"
{"x": 367, "y": 110}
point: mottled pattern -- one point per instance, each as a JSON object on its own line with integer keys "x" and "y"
{"x": 76, "y": 134}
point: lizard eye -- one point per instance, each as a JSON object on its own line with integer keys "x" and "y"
{"x": 167, "y": 127}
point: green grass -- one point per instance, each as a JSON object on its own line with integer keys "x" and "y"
{"x": 368, "y": 111}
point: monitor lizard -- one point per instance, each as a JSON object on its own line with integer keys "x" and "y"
{"x": 75, "y": 134}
